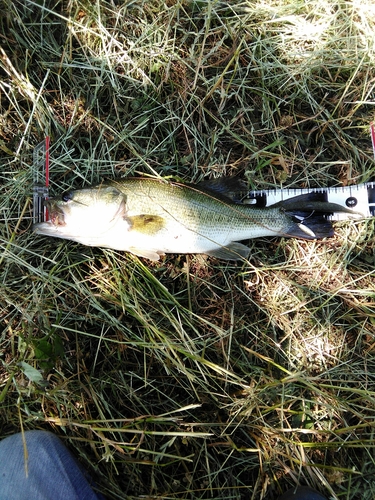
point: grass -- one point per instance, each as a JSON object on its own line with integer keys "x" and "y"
{"x": 192, "y": 377}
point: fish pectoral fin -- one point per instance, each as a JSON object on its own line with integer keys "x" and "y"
{"x": 233, "y": 251}
{"x": 145, "y": 223}
{"x": 147, "y": 254}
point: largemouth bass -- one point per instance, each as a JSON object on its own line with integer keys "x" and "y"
{"x": 151, "y": 217}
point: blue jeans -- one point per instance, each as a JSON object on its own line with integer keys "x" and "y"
{"x": 52, "y": 472}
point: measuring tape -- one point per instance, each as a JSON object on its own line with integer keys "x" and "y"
{"x": 360, "y": 198}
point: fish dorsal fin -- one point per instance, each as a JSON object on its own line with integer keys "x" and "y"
{"x": 145, "y": 223}
{"x": 231, "y": 189}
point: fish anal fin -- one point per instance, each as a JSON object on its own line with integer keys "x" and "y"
{"x": 146, "y": 223}
{"x": 232, "y": 251}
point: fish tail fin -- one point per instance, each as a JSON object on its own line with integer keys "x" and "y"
{"x": 309, "y": 226}
{"x": 314, "y": 202}
{"x": 309, "y": 215}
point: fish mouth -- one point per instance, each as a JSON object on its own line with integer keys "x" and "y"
{"x": 55, "y": 221}
{"x": 55, "y": 214}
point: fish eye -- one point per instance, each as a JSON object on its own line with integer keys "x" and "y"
{"x": 67, "y": 196}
